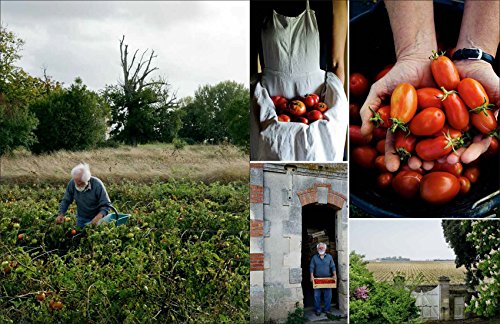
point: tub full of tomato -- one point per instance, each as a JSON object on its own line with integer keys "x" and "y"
{"x": 372, "y": 51}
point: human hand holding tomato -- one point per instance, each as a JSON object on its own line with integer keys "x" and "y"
{"x": 415, "y": 71}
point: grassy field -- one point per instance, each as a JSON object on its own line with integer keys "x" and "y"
{"x": 143, "y": 163}
{"x": 429, "y": 270}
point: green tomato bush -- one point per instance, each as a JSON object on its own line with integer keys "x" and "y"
{"x": 183, "y": 256}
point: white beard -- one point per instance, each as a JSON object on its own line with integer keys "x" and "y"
{"x": 80, "y": 189}
{"x": 322, "y": 252}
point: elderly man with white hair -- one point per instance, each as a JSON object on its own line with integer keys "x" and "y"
{"x": 89, "y": 193}
{"x": 322, "y": 266}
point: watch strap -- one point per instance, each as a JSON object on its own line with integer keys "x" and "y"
{"x": 472, "y": 54}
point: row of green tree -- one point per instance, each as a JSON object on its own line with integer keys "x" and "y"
{"x": 44, "y": 116}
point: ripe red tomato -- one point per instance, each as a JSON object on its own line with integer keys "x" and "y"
{"x": 40, "y": 296}
{"x": 404, "y": 144}
{"x": 354, "y": 112}
{"x": 380, "y": 164}
{"x": 315, "y": 97}
{"x": 472, "y": 173}
{"x": 447, "y": 130}
{"x": 406, "y": 167}
{"x": 429, "y": 97}
{"x": 464, "y": 185}
{"x": 380, "y": 146}
{"x": 314, "y": 115}
{"x": 321, "y": 106}
{"x": 302, "y": 120}
{"x": 407, "y": 183}
{"x": 473, "y": 93}
{"x": 384, "y": 180}
{"x": 73, "y": 232}
{"x": 20, "y": 237}
{"x": 276, "y": 99}
{"x": 455, "y": 169}
{"x": 364, "y": 156}
{"x": 382, "y": 117}
{"x": 444, "y": 71}
{"x": 456, "y": 112}
{"x": 403, "y": 106}
{"x": 379, "y": 133}
{"x": 382, "y": 73}
{"x": 492, "y": 150}
{"x": 297, "y": 108}
{"x": 284, "y": 118}
{"x": 355, "y": 137}
{"x": 433, "y": 148}
{"x": 428, "y": 121}
{"x": 358, "y": 84}
{"x": 483, "y": 121}
{"x": 309, "y": 101}
{"x": 439, "y": 187}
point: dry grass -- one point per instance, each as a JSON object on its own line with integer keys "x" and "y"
{"x": 430, "y": 270}
{"x": 144, "y": 163}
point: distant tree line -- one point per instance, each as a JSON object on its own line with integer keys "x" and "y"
{"x": 43, "y": 115}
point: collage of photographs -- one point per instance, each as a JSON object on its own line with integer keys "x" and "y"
{"x": 251, "y": 161}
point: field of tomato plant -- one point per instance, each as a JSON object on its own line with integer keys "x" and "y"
{"x": 425, "y": 272}
{"x": 182, "y": 257}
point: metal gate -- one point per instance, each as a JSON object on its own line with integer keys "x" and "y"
{"x": 458, "y": 310}
{"x": 428, "y": 303}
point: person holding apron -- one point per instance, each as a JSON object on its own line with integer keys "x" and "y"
{"x": 291, "y": 52}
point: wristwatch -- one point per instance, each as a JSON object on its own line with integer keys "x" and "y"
{"x": 473, "y": 54}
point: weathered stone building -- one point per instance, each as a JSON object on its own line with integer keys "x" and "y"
{"x": 286, "y": 202}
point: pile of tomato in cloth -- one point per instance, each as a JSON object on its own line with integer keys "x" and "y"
{"x": 306, "y": 109}
{"x": 431, "y": 128}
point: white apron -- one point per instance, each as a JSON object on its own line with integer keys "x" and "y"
{"x": 291, "y": 56}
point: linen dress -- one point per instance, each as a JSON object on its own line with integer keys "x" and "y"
{"x": 291, "y": 53}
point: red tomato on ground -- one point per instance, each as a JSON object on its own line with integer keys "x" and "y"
{"x": 439, "y": 187}
{"x": 407, "y": 183}
{"x": 358, "y": 84}
{"x": 364, "y": 156}
{"x": 457, "y": 114}
{"x": 444, "y": 71}
{"x": 403, "y": 106}
{"x": 427, "y": 122}
{"x": 429, "y": 97}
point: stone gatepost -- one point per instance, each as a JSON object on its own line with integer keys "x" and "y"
{"x": 444, "y": 295}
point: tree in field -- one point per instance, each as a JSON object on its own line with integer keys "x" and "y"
{"x": 143, "y": 109}
{"x": 477, "y": 246}
{"x": 217, "y": 114}
{"x": 70, "y": 119}
{"x": 17, "y": 90}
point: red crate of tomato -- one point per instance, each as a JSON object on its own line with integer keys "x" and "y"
{"x": 324, "y": 283}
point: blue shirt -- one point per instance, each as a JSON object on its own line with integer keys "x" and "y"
{"x": 322, "y": 268}
{"x": 89, "y": 203}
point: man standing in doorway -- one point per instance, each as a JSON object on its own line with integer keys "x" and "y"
{"x": 322, "y": 266}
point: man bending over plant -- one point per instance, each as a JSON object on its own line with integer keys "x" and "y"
{"x": 89, "y": 193}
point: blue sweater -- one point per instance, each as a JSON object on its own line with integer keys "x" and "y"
{"x": 322, "y": 268}
{"x": 89, "y": 203}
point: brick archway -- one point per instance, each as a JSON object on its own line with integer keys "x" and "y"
{"x": 322, "y": 193}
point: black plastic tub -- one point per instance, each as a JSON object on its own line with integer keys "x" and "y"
{"x": 371, "y": 49}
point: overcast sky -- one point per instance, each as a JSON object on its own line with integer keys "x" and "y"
{"x": 197, "y": 42}
{"x": 421, "y": 239}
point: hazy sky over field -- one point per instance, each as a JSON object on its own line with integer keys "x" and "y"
{"x": 414, "y": 239}
{"x": 196, "y": 42}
